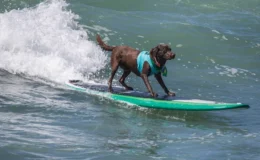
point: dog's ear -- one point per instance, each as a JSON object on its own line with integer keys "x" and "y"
{"x": 163, "y": 48}
{"x": 153, "y": 54}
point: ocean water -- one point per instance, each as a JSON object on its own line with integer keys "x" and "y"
{"x": 44, "y": 43}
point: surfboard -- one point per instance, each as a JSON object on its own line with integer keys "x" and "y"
{"x": 144, "y": 99}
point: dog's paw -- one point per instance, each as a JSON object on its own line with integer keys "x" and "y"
{"x": 154, "y": 94}
{"x": 171, "y": 94}
{"x": 110, "y": 90}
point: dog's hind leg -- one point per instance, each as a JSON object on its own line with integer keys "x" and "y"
{"x": 114, "y": 67}
{"x": 122, "y": 79}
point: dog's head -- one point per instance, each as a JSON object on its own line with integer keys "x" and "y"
{"x": 161, "y": 53}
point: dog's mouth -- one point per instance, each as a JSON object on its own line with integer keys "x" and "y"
{"x": 169, "y": 56}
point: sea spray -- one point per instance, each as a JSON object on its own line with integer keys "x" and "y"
{"x": 46, "y": 41}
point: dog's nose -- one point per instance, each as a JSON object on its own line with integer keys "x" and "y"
{"x": 172, "y": 55}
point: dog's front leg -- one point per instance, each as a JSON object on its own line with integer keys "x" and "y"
{"x": 161, "y": 82}
{"x": 144, "y": 76}
{"x": 148, "y": 85}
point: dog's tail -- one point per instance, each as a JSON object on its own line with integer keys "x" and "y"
{"x": 103, "y": 45}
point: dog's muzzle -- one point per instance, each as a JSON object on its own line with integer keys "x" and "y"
{"x": 171, "y": 55}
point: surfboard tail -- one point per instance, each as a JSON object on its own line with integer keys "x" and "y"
{"x": 103, "y": 45}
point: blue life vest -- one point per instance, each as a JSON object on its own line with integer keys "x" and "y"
{"x": 144, "y": 56}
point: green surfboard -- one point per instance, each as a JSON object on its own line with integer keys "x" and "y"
{"x": 145, "y": 100}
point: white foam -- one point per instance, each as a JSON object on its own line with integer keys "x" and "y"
{"x": 98, "y": 28}
{"x": 224, "y": 38}
{"x": 213, "y": 61}
{"x": 232, "y": 72}
{"x": 46, "y": 41}
{"x": 215, "y": 31}
{"x": 179, "y": 45}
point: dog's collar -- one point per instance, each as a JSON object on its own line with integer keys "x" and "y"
{"x": 162, "y": 69}
{"x": 157, "y": 65}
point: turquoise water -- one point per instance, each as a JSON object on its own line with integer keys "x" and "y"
{"x": 45, "y": 43}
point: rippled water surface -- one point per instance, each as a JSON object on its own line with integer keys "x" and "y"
{"x": 45, "y": 43}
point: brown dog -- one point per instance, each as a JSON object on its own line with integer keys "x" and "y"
{"x": 127, "y": 58}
